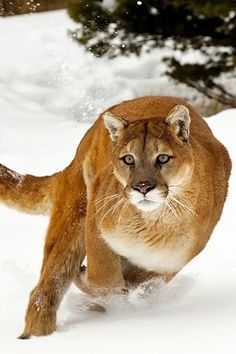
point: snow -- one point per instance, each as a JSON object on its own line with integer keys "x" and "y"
{"x": 50, "y": 91}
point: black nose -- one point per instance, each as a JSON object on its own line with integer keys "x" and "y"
{"x": 143, "y": 186}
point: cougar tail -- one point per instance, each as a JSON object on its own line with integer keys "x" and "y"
{"x": 25, "y": 192}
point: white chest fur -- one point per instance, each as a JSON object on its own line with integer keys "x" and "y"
{"x": 162, "y": 260}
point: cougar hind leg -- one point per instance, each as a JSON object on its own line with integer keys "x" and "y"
{"x": 134, "y": 276}
{"x": 64, "y": 252}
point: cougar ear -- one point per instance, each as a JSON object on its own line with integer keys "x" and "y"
{"x": 114, "y": 124}
{"x": 179, "y": 119}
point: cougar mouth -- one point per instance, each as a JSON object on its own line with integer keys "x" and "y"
{"x": 149, "y": 202}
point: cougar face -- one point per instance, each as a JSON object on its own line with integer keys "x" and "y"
{"x": 152, "y": 159}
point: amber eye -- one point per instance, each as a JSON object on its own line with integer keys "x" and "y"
{"x": 163, "y": 158}
{"x": 128, "y": 159}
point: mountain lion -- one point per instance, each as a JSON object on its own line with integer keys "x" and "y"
{"x": 140, "y": 200}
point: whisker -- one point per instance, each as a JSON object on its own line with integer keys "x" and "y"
{"x": 123, "y": 209}
{"x": 175, "y": 185}
{"x": 188, "y": 205}
{"x": 101, "y": 199}
{"x": 172, "y": 208}
{"x": 186, "y": 201}
{"x": 106, "y": 202}
{"x": 115, "y": 206}
{"x": 185, "y": 207}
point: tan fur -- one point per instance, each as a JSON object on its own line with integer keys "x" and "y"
{"x": 95, "y": 208}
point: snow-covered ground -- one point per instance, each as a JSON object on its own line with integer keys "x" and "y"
{"x": 49, "y": 91}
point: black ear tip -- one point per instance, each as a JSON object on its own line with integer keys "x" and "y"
{"x": 24, "y": 336}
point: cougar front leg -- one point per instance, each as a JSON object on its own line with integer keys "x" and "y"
{"x": 58, "y": 271}
{"x": 103, "y": 274}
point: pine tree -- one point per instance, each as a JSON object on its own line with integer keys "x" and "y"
{"x": 133, "y": 26}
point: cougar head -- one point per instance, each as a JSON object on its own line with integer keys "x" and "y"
{"x": 152, "y": 158}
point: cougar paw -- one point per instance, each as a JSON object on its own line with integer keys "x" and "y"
{"x": 40, "y": 317}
